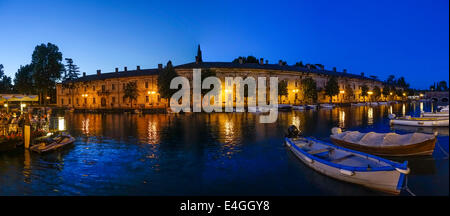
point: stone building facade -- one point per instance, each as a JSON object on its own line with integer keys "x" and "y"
{"x": 106, "y": 90}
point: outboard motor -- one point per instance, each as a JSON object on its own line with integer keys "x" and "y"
{"x": 292, "y": 132}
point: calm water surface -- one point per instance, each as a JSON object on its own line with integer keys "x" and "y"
{"x": 206, "y": 154}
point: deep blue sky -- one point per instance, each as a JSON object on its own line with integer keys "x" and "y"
{"x": 405, "y": 38}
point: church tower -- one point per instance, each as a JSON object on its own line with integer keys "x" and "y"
{"x": 198, "y": 58}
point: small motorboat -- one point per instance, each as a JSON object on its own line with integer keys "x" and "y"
{"x": 443, "y": 131}
{"x": 387, "y": 144}
{"x": 358, "y": 104}
{"x": 298, "y": 107}
{"x": 52, "y": 144}
{"x": 311, "y": 106}
{"x": 327, "y": 106}
{"x": 435, "y": 114}
{"x": 284, "y": 107}
{"x": 419, "y": 121}
{"x": 348, "y": 165}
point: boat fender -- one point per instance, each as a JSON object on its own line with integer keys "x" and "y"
{"x": 347, "y": 172}
{"x": 391, "y": 116}
{"x": 403, "y": 171}
{"x": 308, "y": 159}
{"x": 336, "y": 130}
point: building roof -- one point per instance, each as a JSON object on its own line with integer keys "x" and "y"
{"x": 192, "y": 65}
{"x": 268, "y": 67}
{"x": 120, "y": 74}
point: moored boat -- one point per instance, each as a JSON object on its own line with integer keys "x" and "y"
{"x": 327, "y": 106}
{"x": 311, "y": 106}
{"x": 358, "y": 104}
{"x": 53, "y": 144}
{"x": 419, "y": 121}
{"x": 298, "y": 107}
{"x": 386, "y": 144}
{"x": 435, "y": 114}
{"x": 374, "y": 103}
{"x": 284, "y": 107}
{"x": 348, "y": 165}
{"x": 383, "y": 103}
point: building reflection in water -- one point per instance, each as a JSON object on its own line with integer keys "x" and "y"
{"x": 390, "y": 109}
{"x": 421, "y": 107}
{"x": 403, "y": 109}
{"x": 342, "y": 119}
{"x": 295, "y": 121}
{"x": 27, "y": 166}
{"x": 85, "y": 126}
{"x": 370, "y": 116}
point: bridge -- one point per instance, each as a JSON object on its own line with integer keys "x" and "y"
{"x": 437, "y": 96}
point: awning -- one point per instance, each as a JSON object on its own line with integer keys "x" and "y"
{"x": 18, "y": 97}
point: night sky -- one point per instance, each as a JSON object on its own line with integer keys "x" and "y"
{"x": 405, "y": 38}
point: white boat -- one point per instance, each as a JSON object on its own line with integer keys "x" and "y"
{"x": 298, "y": 107}
{"x": 284, "y": 107}
{"x": 419, "y": 121}
{"x": 387, "y": 144}
{"x": 349, "y": 165}
{"x": 435, "y": 114}
{"x": 312, "y": 106}
{"x": 374, "y": 103}
{"x": 383, "y": 103}
{"x": 327, "y": 106}
{"x": 358, "y": 104}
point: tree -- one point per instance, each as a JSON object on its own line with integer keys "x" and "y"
{"x": 364, "y": 90}
{"x": 282, "y": 89}
{"x": 402, "y": 83}
{"x": 391, "y": 80}
{"x": 376, "y": 92}
{"x": 386, "y": 91}
{"x": 442, "y": 86}
{"x": 23, "y": 80}
{"x": 309, "y": 89}
{"x": 47, "y": 69}
{"x": 299, "y": 64}
{"x": 164, "y": 78}
{"x": 5, "y": 82}
{"x": 332, "y": 88}
{"x": 71, "y": 73}
{"x": 348, "y": 92}
{"x": 131, "y": 92}
{"x": 245, "y": 60}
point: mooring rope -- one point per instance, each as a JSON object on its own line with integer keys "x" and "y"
{"x": 407, "y": 188}
{"x": 442, "y": 149}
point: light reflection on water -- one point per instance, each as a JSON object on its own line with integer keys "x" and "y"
{"x": 203, "y": 154}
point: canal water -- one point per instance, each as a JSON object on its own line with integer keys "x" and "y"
{"x": 207, "y": 154}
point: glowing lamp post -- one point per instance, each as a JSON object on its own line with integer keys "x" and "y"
{"x": 61, "y": 124}
{"x": 370, "y": 93}
{"x": 6, "y": 106}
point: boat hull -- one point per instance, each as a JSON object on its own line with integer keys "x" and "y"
{"x": 423, "y": 148}
{"x": 435, "y": 114}
{"x": 386, "y": 181}
{"x": 51, "y": 147}
{"x": 422, "y": 123}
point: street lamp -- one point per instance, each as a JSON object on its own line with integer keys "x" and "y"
{"x": 6, "y": 106}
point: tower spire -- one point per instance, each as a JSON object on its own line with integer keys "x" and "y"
{"x": 198, "y": 58}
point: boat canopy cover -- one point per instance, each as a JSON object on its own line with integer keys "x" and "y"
{"x": 381, "y": 139}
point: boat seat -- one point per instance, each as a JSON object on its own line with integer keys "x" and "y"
{"x": 342, "y": 158}
{"x": 318, "y": 151}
